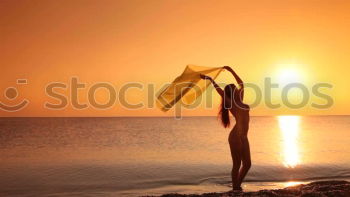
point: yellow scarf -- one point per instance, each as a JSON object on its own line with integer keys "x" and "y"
{"x": 187, "y": 87}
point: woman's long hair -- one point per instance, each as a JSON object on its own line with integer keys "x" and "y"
{"x": 227, "y": 104}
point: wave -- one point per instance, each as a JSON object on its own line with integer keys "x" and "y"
{"x": 264, "y": 173}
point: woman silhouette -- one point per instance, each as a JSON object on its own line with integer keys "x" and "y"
{"x": 232, "y": 101}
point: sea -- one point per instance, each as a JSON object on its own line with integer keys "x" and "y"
{"x": 139, "y": 156}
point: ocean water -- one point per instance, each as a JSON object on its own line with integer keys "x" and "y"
{"x": 153, "y": 156}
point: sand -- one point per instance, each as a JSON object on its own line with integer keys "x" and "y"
{"x": 319, "y": 189}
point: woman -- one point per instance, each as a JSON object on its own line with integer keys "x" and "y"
{"x": 232, "y": 101}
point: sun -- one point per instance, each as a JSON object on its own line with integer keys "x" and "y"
{"x": 287, "y": 75}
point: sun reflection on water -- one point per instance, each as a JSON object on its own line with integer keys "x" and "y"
{"x": 293, "y": 183}
{"x": 289, "y": 126}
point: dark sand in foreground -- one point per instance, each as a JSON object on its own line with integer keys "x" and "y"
{"x": 319, "y": 189}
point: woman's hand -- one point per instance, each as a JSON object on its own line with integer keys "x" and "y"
{"x": 205, "y": 77}
{"x": 228, "y": 68}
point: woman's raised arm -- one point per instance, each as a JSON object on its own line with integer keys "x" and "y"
{"x": 239, "y": 81}
{"x": 216, "y": 86}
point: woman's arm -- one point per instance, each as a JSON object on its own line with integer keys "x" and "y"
{"x": 216, "y": 86}
{"x": 239, "y": 81}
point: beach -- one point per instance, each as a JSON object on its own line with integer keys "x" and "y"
{"x": 319, "y": 188}
{"x": 130, "y": 98}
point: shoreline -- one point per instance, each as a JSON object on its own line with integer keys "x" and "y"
{"x": 336, "y": 188}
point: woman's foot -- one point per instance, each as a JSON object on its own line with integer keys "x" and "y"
{"x": 237, "y": 189}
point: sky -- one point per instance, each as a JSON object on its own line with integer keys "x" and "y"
{"x": 151, "y": 42}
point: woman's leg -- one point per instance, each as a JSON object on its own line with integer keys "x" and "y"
{"x": 246, "y": 160}
{"x": 235, "y": 147}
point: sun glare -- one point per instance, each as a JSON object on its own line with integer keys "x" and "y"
{"x": 289, "y": 73}
{"x": 289, "y": 126}
{"x": 287, "y": 76}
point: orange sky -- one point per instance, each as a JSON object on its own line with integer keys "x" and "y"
{"x": 151, "y": 43}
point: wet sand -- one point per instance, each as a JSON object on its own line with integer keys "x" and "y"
{"x": 319, "y": 189}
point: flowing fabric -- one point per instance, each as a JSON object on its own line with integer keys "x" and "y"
{"x": 187, "y": 87}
